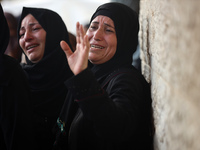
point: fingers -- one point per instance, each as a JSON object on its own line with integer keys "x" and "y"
{"x": 82, "y": 39}
{"x": 77, "y": 32}
{"x": 86, "y": 43}
{"x": 80, "y": 33}
{"x": 66, "y": 48}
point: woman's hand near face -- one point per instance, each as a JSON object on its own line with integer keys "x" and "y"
{"x": 78, "y": 60}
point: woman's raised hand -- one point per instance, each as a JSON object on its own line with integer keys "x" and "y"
{"x": 78, "y": 60}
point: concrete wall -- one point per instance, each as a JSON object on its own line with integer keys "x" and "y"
{"x": 170, "y": 52}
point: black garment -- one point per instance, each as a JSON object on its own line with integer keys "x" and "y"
{"x": 15, "y": 110}
{"x": 115, "y": 115}
{"x": 109, "y": 106}
{"x": 46, "y": 78}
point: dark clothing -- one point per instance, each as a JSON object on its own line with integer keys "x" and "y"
{"x": 113, "y": 115}
{"x": 46, "y": 77}
{"x": 5, "y": 34}
{"x": 15, "y": 110}
{"x": 109, "y": 106}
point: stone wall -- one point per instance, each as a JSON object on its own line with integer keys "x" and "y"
{"x": 170, "y": 52}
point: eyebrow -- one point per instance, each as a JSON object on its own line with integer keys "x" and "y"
{"x": 104, "y": 24}
{"x": 31, "y": 24}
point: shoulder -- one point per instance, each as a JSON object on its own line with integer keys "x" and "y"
{"x": 126, "y": 73}
{"x": 128, "y": 77}
{"x": 12, "y": 69}
{"x": 10, "y": 64}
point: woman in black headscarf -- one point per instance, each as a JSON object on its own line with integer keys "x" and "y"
{"x": 15, "y": 109}
{"x": 40, "y": 32}
{"x": 109, "y": 104}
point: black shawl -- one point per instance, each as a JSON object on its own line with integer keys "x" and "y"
{"x": 4, "y": 39}
{"x": 47, "y": 76}
{"x": 15, "y": 109}
{"x": 4, "y": 36}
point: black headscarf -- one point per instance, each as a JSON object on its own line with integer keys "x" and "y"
{"x": 4, "y": 36}
{"x": 4, "y": 39}
{"x": 126, "y": 27}
{"x": 47, "y": 76}
{"x": 53, "y": 68}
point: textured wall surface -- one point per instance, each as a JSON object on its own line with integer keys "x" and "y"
{"x": 170, "y": 52}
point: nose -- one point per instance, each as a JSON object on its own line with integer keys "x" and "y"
{"x": 28, "y": 36}
{"x": 98, "y": 35}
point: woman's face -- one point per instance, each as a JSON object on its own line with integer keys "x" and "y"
{"x": 32, "y": 38}
{"x": 103, "y": 40}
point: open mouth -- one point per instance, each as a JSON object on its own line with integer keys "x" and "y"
{"x": 96, "y": 46}
{"x": 32, "y": 46}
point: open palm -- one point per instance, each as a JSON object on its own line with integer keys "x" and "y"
{"x": 78, "y": 60}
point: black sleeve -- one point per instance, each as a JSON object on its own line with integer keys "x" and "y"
{"x": 117, "y": 111}
{"x": 83, "y": 85}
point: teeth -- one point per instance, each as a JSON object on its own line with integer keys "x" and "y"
{"x": 31, "y": 47}
{"x": 95, "y": 46}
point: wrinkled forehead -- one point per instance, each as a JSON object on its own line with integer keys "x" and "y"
{"x": 104, "y": 20}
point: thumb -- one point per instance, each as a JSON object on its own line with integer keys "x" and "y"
{"x": 65, "y": 47}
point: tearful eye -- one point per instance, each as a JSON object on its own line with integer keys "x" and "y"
{"x": 35, "y": 29}
{"x": 21, "y": 35}
{"x": 109, "y": 30}
{"x": 93, "y": 27}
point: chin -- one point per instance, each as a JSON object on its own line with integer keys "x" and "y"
{"x": 34, "y": 60}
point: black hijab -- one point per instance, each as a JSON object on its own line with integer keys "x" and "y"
{"x": 4, "y": 39}
{"x": 53, "y": 68}
{"x": 126, "y": 27}
{"x": 4, "y": 36}
{"x": 47, "y": 77}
